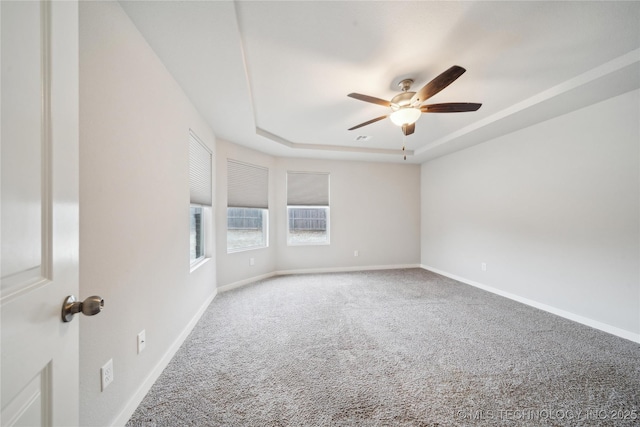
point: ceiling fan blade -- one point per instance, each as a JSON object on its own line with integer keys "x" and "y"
{"x": 437, "y": 84}
{"x": 369, "y": 122}
{"x": 450, "y": 107}
{"x": 408, "y": 129}
{"x": 372, "y": 99}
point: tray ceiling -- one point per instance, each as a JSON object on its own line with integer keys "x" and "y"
{"x": 274, "y": 76}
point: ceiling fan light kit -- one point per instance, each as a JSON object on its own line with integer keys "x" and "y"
{"x": 407, "y": 106}
{"x": 405, "y": 116}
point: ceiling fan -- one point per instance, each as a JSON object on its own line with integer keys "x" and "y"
{"x": 407, "y": 106}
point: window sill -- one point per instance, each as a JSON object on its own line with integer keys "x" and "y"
{"x": 252, "y": 248}
{"x": 308, "y": 244}
{"x": 199, "y": 263}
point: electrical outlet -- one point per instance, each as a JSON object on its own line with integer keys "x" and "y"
{"x": 106, "y": 375}
{"x": 252, "y": 261}
{"x": 142, "y": 341}
{"x": 356, "y": 253}
{"x": 483, "y": 266}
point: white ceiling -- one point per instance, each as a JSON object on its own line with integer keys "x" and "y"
{"x": 274, "y": 76}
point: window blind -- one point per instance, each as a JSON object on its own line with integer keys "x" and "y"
{"x": 247, "y": 185}
{"x": 199, "y": 172}
{"x": 307, "y": 189}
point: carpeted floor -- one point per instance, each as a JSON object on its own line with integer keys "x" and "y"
{"x": 390, "y": 348}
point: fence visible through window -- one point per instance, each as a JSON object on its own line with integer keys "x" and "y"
{"x": 302, "y": 219}
{"x": 308, "y": 220}
{"x": 246, "y": 228}
{"x": 196, "y": 235}
{"x": 244, "y": 219}
{"x": 308, "y": 225}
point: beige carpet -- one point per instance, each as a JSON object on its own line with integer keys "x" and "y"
{"x": 390, "y": 348}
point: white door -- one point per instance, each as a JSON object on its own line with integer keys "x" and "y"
{"x": 39, "y": 228}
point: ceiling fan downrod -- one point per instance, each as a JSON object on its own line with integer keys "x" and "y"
{"x": 405, "y": 84}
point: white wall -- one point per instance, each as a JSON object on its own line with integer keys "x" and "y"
{"x": 553, "y": 210}
{"x": 374, "y": 209}
{"x": 134, "y": 210}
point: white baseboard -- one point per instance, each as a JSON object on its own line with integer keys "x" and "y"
{"x": 240, "y": 283}
{"x": 622, "y": 333}
{"x": 250, "y": 280}
{"x": 144, "y": 388}
{"x": 346, "y": 269}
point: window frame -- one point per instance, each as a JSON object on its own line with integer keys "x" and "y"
{"x": 327, "y": 209}
{"x": 248, "y": 188}
{"x": 308, "y": 190}
{"x": 201, "y": 171}
{"x": 202, "y": 238}
{"x": 265, "y": 232}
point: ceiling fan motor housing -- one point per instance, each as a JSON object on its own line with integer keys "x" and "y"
{"x": 402, "y": 100}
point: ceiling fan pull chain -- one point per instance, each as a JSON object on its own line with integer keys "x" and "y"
{"x": 404, "y": 139}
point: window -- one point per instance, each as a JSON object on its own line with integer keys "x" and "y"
{"x": 308, "y": 225}
{"x": 247, "y": 206}
{"x": 307, "y": 208}
{"x": 200, "y": 193}
{"x": 247, "y": 228}
{"x": 196, "y": 235}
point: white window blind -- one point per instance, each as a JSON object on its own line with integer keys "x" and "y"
{"x": 247, "y": 185}
{"x": 307, "y": 189}
{"x": 199, "y": 171}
